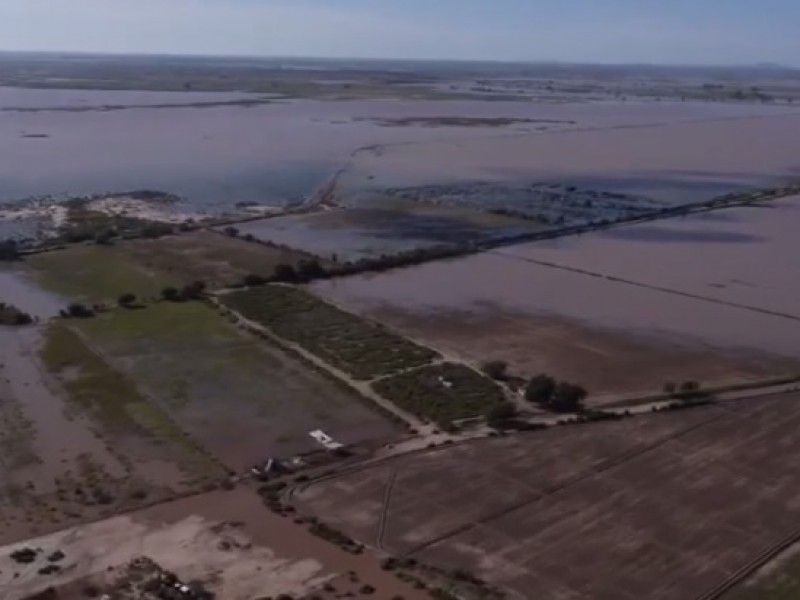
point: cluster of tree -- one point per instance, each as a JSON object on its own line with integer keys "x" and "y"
{"x": 305, "y": 271}
{"x": 191, "y": 291}
{"x": 560, "y": 397}
{"x": 9, "y": 250}
{"x": 11, "y": 315}
{"x": 501, "y": 414}
{"x": 77, "y": 310}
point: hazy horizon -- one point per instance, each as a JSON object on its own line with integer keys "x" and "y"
{"x": 640, "y": 32}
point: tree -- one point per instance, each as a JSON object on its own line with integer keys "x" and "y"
{"x": 126, "y": 300}
{"x": 253, "y": 280}
{"x": 670, "y": 387}
{"x": 540, "y": 389}
{"x": 285, "y": 273}
{"x": 9, "y": 250}
{"x": 310, "y": 269}
{"x": 79, "y": 311}
{"x": 501, "y": 413}
{"x": 170, "y": 294}
{"x": 193, "y": 291}
{"x": 103, "y": 238}
{"x": 231, "y": 231}
{"x": 496, "y": 369}
{"x": 567, "y": 397}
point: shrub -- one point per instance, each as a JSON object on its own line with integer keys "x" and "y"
{"x": 126, "y": 299}
{"x": 540, "y": 389}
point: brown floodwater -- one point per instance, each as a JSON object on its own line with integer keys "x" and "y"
{"x": 492, "y": 283}
{"x": 269, "y": 153}
{"x": 669, "y": 160}
{"x": 748, "y": 256}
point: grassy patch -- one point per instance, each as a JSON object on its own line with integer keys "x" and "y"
{"x": 361, "y": 348}
{"x": 781, "y": 584}
{"x": 216, "y": 258}
{"x": 95, "y": 274}
{"x": 441, "y": 393}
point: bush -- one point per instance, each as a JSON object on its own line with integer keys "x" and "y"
{"x": 253, "y": 280}
{"x": 285, "y": 273}
{"x": 79, "y": 311}
{"x": 540, "y": 389}
{"x": 170, "y": 294}
{"x": 567, "y": 398}
{"x": 126, "y": 300}
{"x": 501, "y": 413}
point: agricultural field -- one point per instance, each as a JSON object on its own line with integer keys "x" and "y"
{"x": 611, "y": 337}
{"x": 441, "y": 393}
{"x": 376, "y": 226}
{"x": 358, "y": 347}
{"x": 685, "y": 500}
{"x": 241, "y": 398}
{"x": 202, "y": 255}
{"x": 144, "y": 267}
{"x": 79, "y": 440}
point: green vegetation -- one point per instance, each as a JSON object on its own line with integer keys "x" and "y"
{"x": 95, "y": 274}
{"x": 113, "y": 400}
{"x": 782, "y": 583}
{"x": 442, "y": 393}
{"x": 361, "y": 348}
{"x": 11, "y": 315}
{"x": 561, "y": 397}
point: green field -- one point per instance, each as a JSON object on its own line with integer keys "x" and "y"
{"x": 361, "y": 348}
{"x": 442, "y": 393}
{"x": 95, "y": 274}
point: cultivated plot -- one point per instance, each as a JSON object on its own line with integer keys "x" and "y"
{"x": 608, "y": 336}
{"x": 239, "y": 397}
{"x": 683, "y": 500}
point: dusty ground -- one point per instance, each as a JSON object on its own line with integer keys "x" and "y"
{"x": 682, "y": 501}
{"x": 227, "y": 540}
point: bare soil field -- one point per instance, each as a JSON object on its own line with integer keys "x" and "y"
{"x": 740, "y": 255}
{"x": 227, "y": 541}
{"x": 239, "y": 397}
{"x": 664, "y": 506}
{"x": 611, "y": 337}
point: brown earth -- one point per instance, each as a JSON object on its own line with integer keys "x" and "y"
{"x": 664, "y": 506}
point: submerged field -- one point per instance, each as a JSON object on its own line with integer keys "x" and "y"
{"x": 384, "y": 226}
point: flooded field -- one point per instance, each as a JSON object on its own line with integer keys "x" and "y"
{"x": 665, "y": 161}
{"x": 611, "y": 336}
{"x": 743, "y": 256}
{"x": 278, "y": 152}
{"x": 386, "y": 228}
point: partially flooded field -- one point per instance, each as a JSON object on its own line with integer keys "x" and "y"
{"x": 608, "y": 335}
{"x": 381, "y": 227}
{"x": 240, "y": 398}
{"x": 226, "y": 541}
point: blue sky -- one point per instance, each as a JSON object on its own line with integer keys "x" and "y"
{"x": 642, "y": 31}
